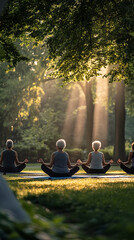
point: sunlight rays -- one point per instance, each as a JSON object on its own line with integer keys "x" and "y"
{"x": 75, "y": 110}
{"x": 75, "y": 121}
{"x": 79, "y": 127}
{"x": 68, "y": 124}
{"x": 100, "y": 128}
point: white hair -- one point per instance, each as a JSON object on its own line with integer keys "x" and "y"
{"x": 9, "y": 143}
{"x": 96, "y": 145}
{"x": 61, "y": 143}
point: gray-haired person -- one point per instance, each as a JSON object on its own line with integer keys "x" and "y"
{"x": 59, "y": 165}
{"x": 96, "y": 161}
{"x": 9, "y": 162}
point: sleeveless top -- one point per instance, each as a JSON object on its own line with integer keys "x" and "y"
{"x": 132, "y": 160}
{"x": 96, "y": 160}
{"x": 9, "y": 158}
{"x": 60, "y": 162}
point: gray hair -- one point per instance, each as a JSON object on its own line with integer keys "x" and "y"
{"x": 96, "y": 145}
{"x": 9, "y": 143}
{"x": 61, "y": 143}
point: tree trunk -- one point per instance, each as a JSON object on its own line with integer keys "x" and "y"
{"x": 90, "y": 115}
{"x": 119, "y": 148}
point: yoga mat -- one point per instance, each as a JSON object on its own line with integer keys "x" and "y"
{"x": 79, "y": 176}
{"x": 23, "y": 173}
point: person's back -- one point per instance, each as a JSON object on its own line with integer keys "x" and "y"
{"x": 60, "y": 162}
{"x": 9, "y": 158}
{"x": 96, "y": 160}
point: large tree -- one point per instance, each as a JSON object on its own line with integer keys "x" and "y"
{"x": 82, "y": 35}
{"x": 119, "y": 147}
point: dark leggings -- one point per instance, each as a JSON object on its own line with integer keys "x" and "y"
{"x": 91, "y": 170}
{"x": 127, "y": 169}
{"x": 16, "y": 169}
{"x": 48, "y": 171}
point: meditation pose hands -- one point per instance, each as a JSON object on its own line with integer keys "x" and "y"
{"x": 119, "y": 161}
{"x": 96, "y": 161}
{"x": 130, "y": 161}
{"x": 26, "y": 160}
{"x": 110, "y": 162}
{"x": 79, "y": 162}
{"x": 9, "y": 161}
{"x": 59, "y": 165}
{"x": 40, "y": 160}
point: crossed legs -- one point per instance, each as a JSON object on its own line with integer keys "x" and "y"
{"x": 48, "y": 171}
{"x": 127, "y": 169}
{"x": 18, "y": 168}
{"x": 91, "y": 170}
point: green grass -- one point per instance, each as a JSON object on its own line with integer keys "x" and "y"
{"x": 92, "y": 209}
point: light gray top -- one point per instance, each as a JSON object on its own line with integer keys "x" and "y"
{"x": 96, "y": 160}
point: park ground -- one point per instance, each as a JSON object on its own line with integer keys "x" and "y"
{"x": 92, "y": 208}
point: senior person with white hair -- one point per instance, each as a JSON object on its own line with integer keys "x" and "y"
{"x": 96, "y": 160}
{"x": 9, "y": 162}
{"x": 60, "y": 165}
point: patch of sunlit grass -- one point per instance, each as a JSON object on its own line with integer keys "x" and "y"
{"x": 101, "y": 208}
{"x": 36, "y": 187}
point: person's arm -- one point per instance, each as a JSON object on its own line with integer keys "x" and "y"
{"x": 17, "y": 160}
{"x": 1, "y": 159}
{"x": 129, "y": 159}
{"x": 47, "y": 164}
{"x": 88, "y": 160}
{"x": 104, "y": 162}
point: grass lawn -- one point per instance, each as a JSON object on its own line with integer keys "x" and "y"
{"x": 92, "y": 209}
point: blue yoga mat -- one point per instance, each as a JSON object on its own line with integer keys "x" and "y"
{"x": 79, "y": 176}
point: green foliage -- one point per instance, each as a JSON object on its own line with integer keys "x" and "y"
{"x": 9, "y": 53}
{"x": 108, "y": 152}
{"x": 38, "y": 139}
{"x": 82, "y": 36}
{"x": 75, "y": 154}
{"x": 40, "y": 228}
{"x": 20, "y": 93}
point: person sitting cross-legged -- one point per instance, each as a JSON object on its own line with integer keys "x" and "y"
{"x": 59, "y": 165}
{"x": 96, "y": 161}
{"x": 130, "y": 161}
{"x": 9, "y": 162}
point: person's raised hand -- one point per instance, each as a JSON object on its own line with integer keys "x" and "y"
{"x": 111, "y": 161}
{"x": 79, "y": 162}
{"x": 26, "y": 160}
{"x": 119, "y": 161}
{"x": 40, "y": 160}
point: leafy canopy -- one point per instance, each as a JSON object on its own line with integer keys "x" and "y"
{"x": 81, "y": 35}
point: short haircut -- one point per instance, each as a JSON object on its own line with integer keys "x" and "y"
{"x": 96, "y": 145}
{"x": 9, "y": 143}
{"x": 61, "y": 143}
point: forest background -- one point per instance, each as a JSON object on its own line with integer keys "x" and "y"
{"x": 44, "y": 97}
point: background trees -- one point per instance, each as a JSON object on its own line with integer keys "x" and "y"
{"x": 81, "y": 37}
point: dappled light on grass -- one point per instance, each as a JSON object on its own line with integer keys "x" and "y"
{"x": 26, "y": 187}
{"x": 100, "y": 209}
